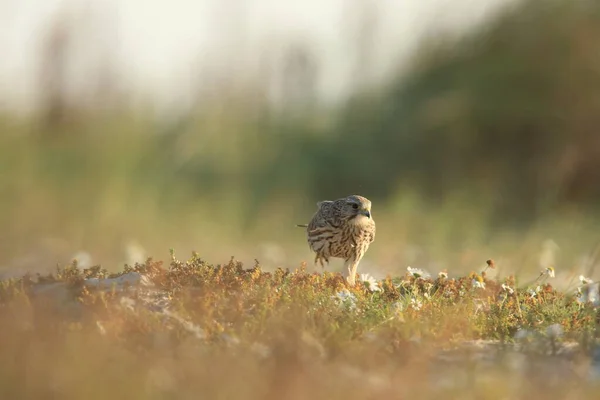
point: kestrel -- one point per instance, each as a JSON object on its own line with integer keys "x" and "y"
{"x": 343, "y": 228}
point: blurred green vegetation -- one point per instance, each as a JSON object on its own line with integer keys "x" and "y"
{"x": 486, "y": 146}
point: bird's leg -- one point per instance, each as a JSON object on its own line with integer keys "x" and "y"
{"x": 349, "y": 271}
{"x": 323, "y": 257}
{"x": 319, "y": 258}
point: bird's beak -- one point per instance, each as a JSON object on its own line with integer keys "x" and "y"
{"x": 366, "y": 213}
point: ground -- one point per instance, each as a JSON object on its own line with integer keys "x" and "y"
{"x": 190, "y": 328}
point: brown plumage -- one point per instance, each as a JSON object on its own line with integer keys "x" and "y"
{"x": 343, "y": 228}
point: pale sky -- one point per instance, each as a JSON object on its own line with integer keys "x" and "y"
{"x": 159, "y": 49}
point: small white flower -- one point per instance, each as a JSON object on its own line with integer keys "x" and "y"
{"x": 416, "y": 304}
{"x": 370, "y": 282}
{"x": 550, "y": 272}
{"x": 584, "y": 280}
{"x": 398, "y": 306}
{"x": 477, "y": 284}
{"x": 593, "y": 295}
{"x": 589, "y": 293}
{"x": 443, "y": 275}
{"x": 533, "y": 292}
{"x": 345, "y": 297}
{"x": 418, "y": 273}
{"x": 479, "y": 305}
{"x": 345, "y": 294}
{"x": 507, "y": 288}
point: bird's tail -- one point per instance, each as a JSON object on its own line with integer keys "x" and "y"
{"x": 302, "y": 225}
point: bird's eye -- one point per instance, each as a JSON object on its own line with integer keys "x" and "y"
{"x": 355, "y": 206}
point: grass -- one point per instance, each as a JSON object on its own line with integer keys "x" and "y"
{"x": 460, "y": 167}
{"x": 99, "y": 188}
{"x": 191, "y": 329}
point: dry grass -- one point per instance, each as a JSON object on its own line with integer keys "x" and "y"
{"x": 192, "y": 329}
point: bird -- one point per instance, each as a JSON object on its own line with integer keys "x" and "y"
{"x": 342, "y": 228}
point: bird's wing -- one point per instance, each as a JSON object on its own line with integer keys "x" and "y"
{"x": 322, "y": 203}
{"x": 318, "y": 230}
{"x": 319, "y": 222}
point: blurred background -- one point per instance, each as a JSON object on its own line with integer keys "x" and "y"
{"x": 128, "y": 128}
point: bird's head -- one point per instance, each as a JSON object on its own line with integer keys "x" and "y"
{"x": 355, "y": 207}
